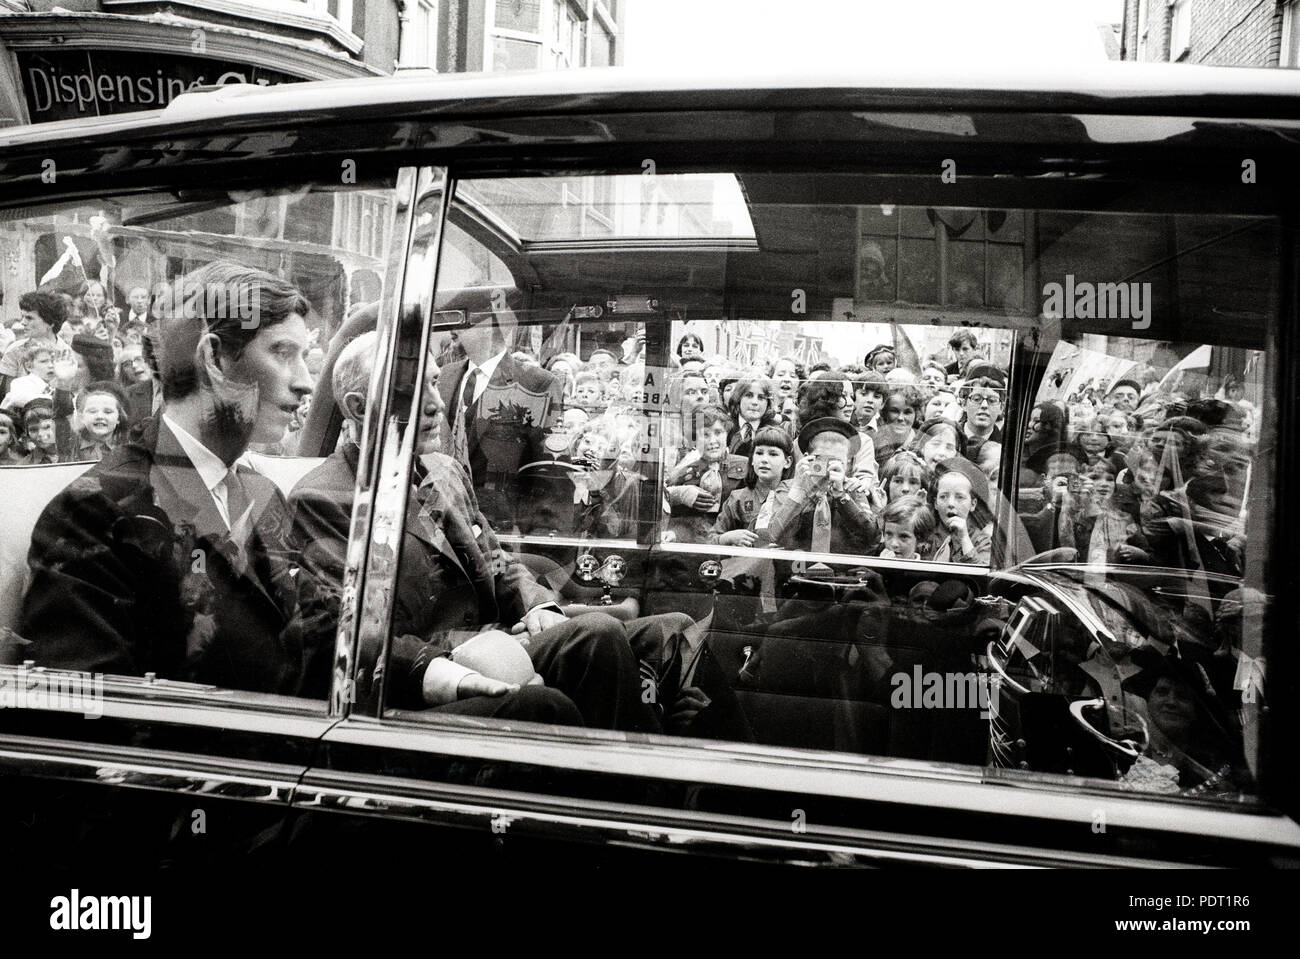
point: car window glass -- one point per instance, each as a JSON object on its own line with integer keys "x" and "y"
{"x": 152, "y": 460}
{"x": 895, "y": 478}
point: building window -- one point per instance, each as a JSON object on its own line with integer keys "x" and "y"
{"x": 957, "y": 258}
{"x": 602, "y": 48}
{"x": 528, "y": 34}
{"x": 568, "y": 36}
{"x": 1180, "y": 31}
{"x": 522, "y": 15}
{"x": 423, "y": 47}
{"x": 1290, "y": 35}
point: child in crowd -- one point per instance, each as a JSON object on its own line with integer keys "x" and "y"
{"x": 605, "y": 499}
{"x": 869, "y": 393}
{"x": 881, "y": 359}
{"x": 909, "y": 527}
{"x": 902, "y": 406}
{"x": 750, "y": 406}
{"x": 943, "y": 405}
{"x": 37, "y": 362}
{"x": 9, "y": 438}
{"x": 965, "y": 526}
{"x": 699, "y": 485}
{"x": 824, "y": 508}
{"x": 1091, "y": 437}
{"x": 770, "y": 461}
{"x": 39, "y": 427}
{"x": 787, "y": 376}
{"x": 588, "y": 390}
{"x": 938, "y": 440}
{"x": 101, "y": 411}
{"x": 904, "y": 474}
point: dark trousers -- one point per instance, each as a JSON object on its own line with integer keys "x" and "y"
{"x": 534, "y": 704}
{"x": 589, "y": 659}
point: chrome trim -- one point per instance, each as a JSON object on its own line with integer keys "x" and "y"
{"x": 830, "y": 559}
{"x": 343, "y": 687}
{"x": 388, "y": 448}
{"x": 531, "y": 539}
{"x": 224, "y": 778}
{"x": 811, "y": 773}
{"x": 161, "y": 700}
{"x": 1123, "y": 747}
{"x": 689, "y": 831}
{"x": 991, "y": 653}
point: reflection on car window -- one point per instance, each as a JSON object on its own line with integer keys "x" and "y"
{"x": 166, "y": 360}
{"x": 843, "y": 477}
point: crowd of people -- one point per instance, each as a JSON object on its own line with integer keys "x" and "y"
{"x": 873, "y": 458}
{"x": 74, "y": 376}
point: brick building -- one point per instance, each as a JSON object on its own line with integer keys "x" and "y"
{"x": 1238, "y": 33}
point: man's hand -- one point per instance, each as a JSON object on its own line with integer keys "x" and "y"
{"x": 476, "y": 684}
{"x": 537, "y": 620}
{"x": 1132, "y": 554}
{"x": 738, "y": 537}
{"x": 690, "y": 702}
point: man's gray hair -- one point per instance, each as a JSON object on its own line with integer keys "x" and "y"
{"x": 353, "y": 367}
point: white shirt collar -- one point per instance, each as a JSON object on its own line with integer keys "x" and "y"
{"x": 489, "y": 366}
{"x": 208, "y": 464}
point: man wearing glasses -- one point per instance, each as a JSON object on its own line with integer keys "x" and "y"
{"x": 981, "y": 400}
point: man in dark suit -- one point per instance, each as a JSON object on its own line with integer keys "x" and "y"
{"x": 498, "y": 410}
{"x": 456, "y": 582}
{"x": 167, "y": 556}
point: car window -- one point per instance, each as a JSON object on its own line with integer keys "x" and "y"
{"x": 166, "y": 356}
{"x": 968, "y": 485}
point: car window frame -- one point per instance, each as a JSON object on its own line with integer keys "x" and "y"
{"x": 499, "y": 744}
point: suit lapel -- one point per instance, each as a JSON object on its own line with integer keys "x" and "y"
{"x": 180, "y": 492}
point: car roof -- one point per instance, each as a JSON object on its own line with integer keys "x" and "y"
{"x": 1106, "y": 87}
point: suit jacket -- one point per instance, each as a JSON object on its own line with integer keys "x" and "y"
{"x": 455, "y": 579}
{"x": 508, "y": 423}
{"x": 134, "y": 571}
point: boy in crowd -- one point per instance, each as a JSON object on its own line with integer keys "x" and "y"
{"x": 823, "y": 508}
{"x": 869, "y": 393}
{"x": 702, "y": 481}
{"x": 39, "y": 426}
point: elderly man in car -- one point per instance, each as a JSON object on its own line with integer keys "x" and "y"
{"x": 467, "y": 605}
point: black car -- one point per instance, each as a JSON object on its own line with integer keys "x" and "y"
{"x": 980, "y": 631}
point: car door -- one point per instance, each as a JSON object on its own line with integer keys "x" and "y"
{"x": 805, "y": 655}
{"x": 120, "y": 739}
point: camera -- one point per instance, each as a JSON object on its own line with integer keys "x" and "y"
{"x": 1076, "y": 484}
{"x": 818, "y": 466}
